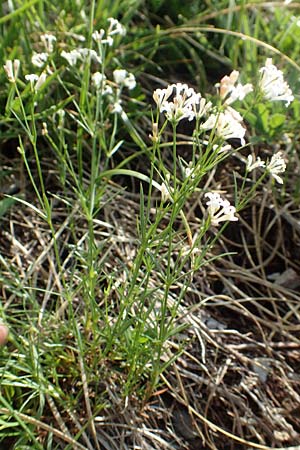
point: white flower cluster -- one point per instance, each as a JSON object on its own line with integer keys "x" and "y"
{"x": 275, "y": 166}
{"x": 124, "y": 78}
{"x": 179, "y": 101}
{"x": 115, "y": 28}
{"x": 80, "y": 54}
{"x": 40, "y": 59}
{"x": 12, "y": 68}
{"x": 185, "y": 103}
{"x": 121, "y": 77}
{"x": 219, "y": 210}
{"x": 272, "y": 84}
{"x": 227, "y": 125}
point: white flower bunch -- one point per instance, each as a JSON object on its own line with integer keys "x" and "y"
{"x": 230, "y": 90}
{"x": 227, "y": 125}
{"x": 86, "y": 53}
{"x": 80, "y": 54}
{"x": 115, "y": 28}
{"x": 275, "y": 166}
{"x": 183, "y": 104}
{"x": 71, "y": 57}
{"x": 219, "y": 210}
{"x": 272, "y": 84}
{"x": 124, "y": 78}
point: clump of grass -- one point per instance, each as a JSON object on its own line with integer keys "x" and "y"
{"x": 123, "y": 243}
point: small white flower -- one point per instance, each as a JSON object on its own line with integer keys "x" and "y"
{"x": 251, "y": 164}
{"x": 116, "y": 107}
{"x": 48, "y": 41}
{"x": 272, "y": 84}
{"x": 230, "y": 91}
{"x": 165, "y": 193}
{"x": 98, "y": 35}
{"x": 276, "y": 165}
{"x": 108, "y": 40}
{"x": 32, "y": 78}
{"x": 122, "y": 77}
{"x": 12, "y": 69}
{"x": 227, "y": 125}
{"x": 161, "y": 95}
{"x": 202, "y": 108}
{"x": 98, "y": 79}
{"x": 41, "y": 80}
{"x": 222, "y": 148}
{"x": 39, "y": 59}
{"x": 36, "y": 81}
{"x": 72, "y": 56}
{"x": 115, "y": 27}
{"x": 119, "y": 75}
{"x": 89, "y": 53}
{"x": 218, "y": 209}
{"x": 189, "y": 171}
{"x": 130, "y": 82}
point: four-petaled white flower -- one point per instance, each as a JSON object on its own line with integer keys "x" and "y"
{"x": 272, "y": 84}
{"x": 230, "y": 91}
{"x": 251, "y": 164}
{"x": 219, "y": 210}
{"x": 12, "y": 69}
{"x": 39, "y": 59}
{"x": 275, "y": 166}
{"x": 124, "y": 78}
{"x": 227, "y": 125}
